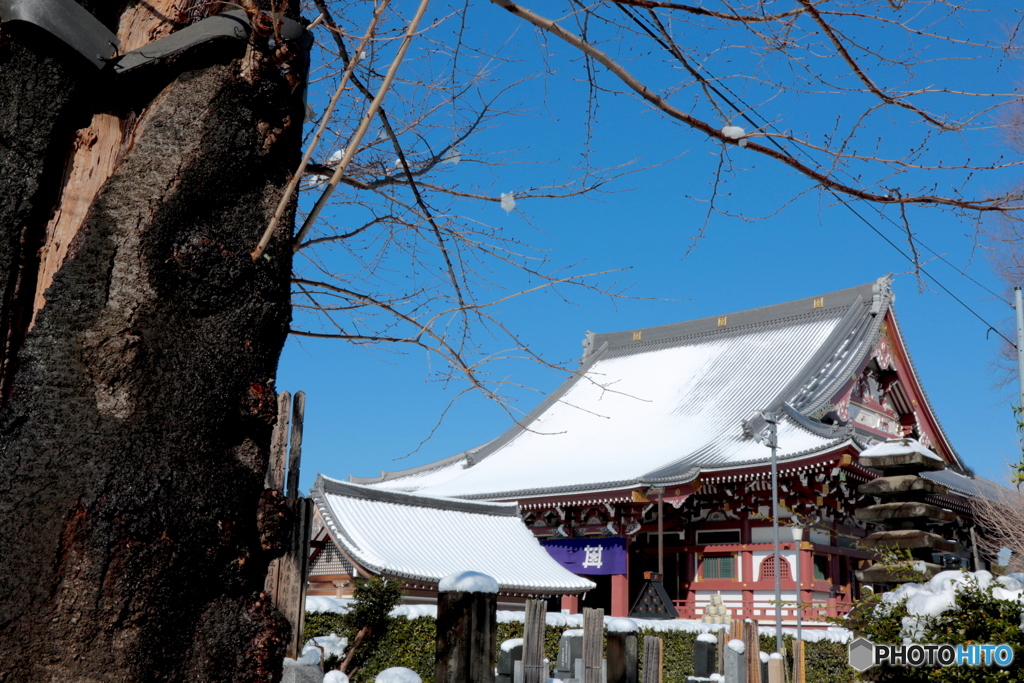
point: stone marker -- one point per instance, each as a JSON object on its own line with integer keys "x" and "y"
{"x": 735, "y": 662}
{"x": 705, "y": 655}
{"x": 511, "y": 651}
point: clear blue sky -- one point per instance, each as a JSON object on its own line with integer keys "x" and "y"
{"x": 372, "y": 409}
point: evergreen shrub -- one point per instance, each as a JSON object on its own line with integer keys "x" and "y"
{"x": 411, "y": 643}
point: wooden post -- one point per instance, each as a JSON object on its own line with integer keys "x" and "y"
{"x": 736, "y": 630}
{"x": 534, "y": 669}
{"x": 652, "y": 659}
{"x": 291, "y": 575}
{"x": 593, "y": 637}
{"x": 278, "y": 445}
{"x": 295, "y": 453}
{"x": 799, "y": 666}
{"x": 723, "y": 638}
{"x": 467, "y": 635}
{"x": 776, "y": 668}
{"x": 622, "y": 654}
{"x": 752, "y": 643}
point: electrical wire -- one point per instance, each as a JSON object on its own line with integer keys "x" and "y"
{"x": 706, "y": 82}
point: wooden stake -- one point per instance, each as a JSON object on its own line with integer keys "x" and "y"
{"x": 652, "y": 659}
{"x": 279, "y": 445}
{"x": 295, "y": 453}
{"x": 593, "y": 641}
{"x": 534, "y": 669}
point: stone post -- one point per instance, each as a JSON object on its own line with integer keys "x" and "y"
{"x": 735, "y": 662}
{"x": 467, "y": 628}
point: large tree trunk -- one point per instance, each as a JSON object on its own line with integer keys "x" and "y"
{"x": 140, "y": 343}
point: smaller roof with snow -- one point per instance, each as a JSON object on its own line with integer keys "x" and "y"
{"x": 425, "y": 538}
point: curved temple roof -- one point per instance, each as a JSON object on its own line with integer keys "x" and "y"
{"x": 657, "y": 405}
{"x": 426, "y": 539}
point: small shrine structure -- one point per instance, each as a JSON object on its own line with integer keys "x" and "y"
{"x": 647, "y": 461}
{"x": 361, "y": 531}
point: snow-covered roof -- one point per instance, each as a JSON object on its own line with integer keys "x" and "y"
{"x": 658, "y": 405}
{"x": 422, "y": 538}
{"x": 891, "y": 447}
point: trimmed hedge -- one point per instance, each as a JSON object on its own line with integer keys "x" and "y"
{"x": 411, "y": 643}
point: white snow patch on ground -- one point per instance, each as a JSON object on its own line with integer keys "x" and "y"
{"x": 310, "y": 657}
{"x": 468, "y": 582}
{"x": 333, "y": 645}
{"x": 938, "y": 595}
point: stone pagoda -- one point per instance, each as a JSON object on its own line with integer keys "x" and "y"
{"x": 910, "y": 522}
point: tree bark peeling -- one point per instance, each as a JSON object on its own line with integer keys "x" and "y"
{"x": 132, "y": 453}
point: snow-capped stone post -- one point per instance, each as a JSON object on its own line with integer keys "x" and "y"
{"x": 467, "y": 628}
{"x": 593, "y": 637}
{"x": 622, "y": 654}
{"x": 705, "y": 656}
{"x": 652, "y": 659}
{"x": 534, "y": 669}
{"x": 735, "y": 662}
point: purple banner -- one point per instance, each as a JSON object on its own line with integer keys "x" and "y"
{"x": 589, "y": 555}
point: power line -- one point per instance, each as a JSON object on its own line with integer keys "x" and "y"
{"x": 671, "y": 49}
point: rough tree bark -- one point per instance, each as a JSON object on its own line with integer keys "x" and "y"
{"x": 139, "y": 347}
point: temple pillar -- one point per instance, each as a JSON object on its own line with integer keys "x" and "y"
{"x": 747, "y": 578}
{"x": 571, "y": 603}
{"x": 620, "y": 595}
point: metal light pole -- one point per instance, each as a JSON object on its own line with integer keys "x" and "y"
{"x": 771, "y": 439}
{"x": 1020, "y": 347}
{"x": 798, "y": 534}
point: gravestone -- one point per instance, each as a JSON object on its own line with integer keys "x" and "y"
{"x": 511, "y": 651}
{"x": 705, "y": 655}
{"x": 570, "y": 648}
{"x": 735, "y": 662}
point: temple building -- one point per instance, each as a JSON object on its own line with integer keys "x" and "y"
{"x": 651, "y": 458}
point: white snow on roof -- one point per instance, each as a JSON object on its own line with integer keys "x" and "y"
{"x": 676, "y": 404}
{"x": 427, "y": 539}
{"x": 423, "y": 477}
{"x": 892, "y": 447}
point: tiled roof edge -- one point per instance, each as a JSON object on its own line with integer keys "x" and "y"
{"x": 326, "y": 485}
{"x": 840, "y": 299}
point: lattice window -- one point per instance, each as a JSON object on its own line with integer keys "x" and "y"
{"x": 330, "y": 561}
{"x": 718, "y": 567}
{"x": 768, "y": 568}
